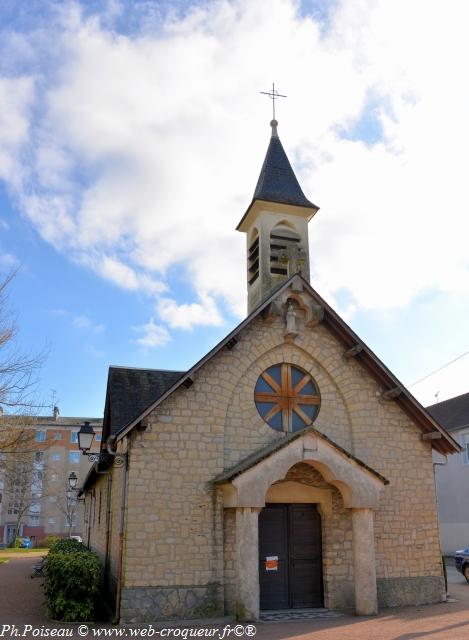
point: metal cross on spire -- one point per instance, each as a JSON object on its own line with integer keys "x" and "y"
{"x": 273, "y": 95}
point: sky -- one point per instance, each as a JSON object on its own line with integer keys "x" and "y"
{"x": 131, "y": 138}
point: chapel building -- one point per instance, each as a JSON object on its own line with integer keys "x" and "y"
{"x": 287, "y": 469}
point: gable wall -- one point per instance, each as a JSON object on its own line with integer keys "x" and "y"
{"x": 200, "y": 431}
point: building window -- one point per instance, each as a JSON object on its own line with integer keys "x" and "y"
{"x": 40, "y": 436}
{"x": 98, "y": 437}
{"x": 74, "y": 437}
{"x": 51, "y": 521}
{"x": 39, "y": 456}
{"x": 58, "y": 435}
{"x": 287, "y": 397}
{"x": 74, "y": 457}
{"x": 55, "y": 457}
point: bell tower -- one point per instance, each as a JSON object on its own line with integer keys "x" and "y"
{"x": 276, "y": 225}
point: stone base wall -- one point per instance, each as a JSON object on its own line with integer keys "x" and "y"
{"x": 229, "y": 557}
{"x": 399, "y": 592}
{"x": 151, "y": 604}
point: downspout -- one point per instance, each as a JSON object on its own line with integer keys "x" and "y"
{"x": 443, "y": 563}
{"x": 108, "y": 532}
{"x": 123, "y": 496}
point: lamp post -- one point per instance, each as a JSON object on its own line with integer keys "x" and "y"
{"x": 85, "y": 440}
{"x": 71, "y": 497}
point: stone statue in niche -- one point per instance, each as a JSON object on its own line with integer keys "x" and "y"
{"x": 291, "y": 323}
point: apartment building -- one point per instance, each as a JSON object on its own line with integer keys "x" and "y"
{"x": 34, "y": 479}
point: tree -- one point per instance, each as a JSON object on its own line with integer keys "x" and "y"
{"x": 22, "y": 478}
{"x": 19, "y": 373}
{"x": 67, "y": 505}
{"x": 18, "y": 380}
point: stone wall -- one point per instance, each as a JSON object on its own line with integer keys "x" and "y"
{"x": 229, "y": 560}
{"x": 102, "y": 522}
{"x": 174, "y": 512}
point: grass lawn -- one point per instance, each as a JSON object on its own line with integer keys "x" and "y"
{"x": 8, "y": 553}
{"x": 2, "y": 560}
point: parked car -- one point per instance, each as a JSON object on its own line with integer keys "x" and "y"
{"x": 461, "y": 560}
{"x": 77, "y": 538}
{"x": 25, "y": 543}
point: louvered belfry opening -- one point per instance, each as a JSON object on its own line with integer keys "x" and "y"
{"x": 253, "y": 260}
{"x": 282, "y": 241}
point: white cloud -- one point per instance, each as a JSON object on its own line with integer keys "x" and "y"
{"x": 79, "y": 321}
{"x": 186, "y": 316}
{"x": 8, "y": 260}
{"x": 83, "y": 322}
{"x": 16, "y": 95}
{"x": 153, "y": 335}
{"x": 451, "y": 381}
{"x": 149, "y": 146}
{"x": 93, "y": 352}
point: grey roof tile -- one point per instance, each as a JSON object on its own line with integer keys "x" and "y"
{"x": 277, "y": 181}
{"x": 131, "y": 390}
{"x": 453, "y": 413}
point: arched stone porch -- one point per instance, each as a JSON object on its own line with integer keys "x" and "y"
{"x": 261, "y": 479}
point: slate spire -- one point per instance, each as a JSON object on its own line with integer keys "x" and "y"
{"x": 277, "y": 181}
{"x": 276, "y": 225}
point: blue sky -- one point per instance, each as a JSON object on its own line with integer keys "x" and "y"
{"x": 131, "y": 138}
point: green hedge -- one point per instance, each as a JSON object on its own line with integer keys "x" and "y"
{"x": 48, "y": 542}
{"x": 68, "y": 545}
{"x": 71, "y": 583}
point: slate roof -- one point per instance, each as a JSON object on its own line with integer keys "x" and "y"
{"x": 452, "y": 414}
{"x": 131, "y": 390}
{"x": 277, "y": 181}
{"x": 271, "y": 448}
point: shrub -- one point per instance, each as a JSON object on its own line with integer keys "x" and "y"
{"x": 68, "y": 545}
{"x": 71, "y": 583}
{"x": 47, "y": 542}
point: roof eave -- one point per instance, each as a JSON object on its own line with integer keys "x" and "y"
{"x": 446, "y": 445}
{"x": 305, "y": 211}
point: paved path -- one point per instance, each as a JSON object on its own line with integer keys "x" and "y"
{"x": 21, "y": 599}
{"x": 445, "y": 621}
{"x": 21, "y": 602}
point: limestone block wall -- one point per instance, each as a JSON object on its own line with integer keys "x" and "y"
{"x": 229, "y": 560}
{"x": 200, "y": 431}
{"x": 173, "y": 512}
{"x": 102, "y": 521}
{"x": 96, "y": 506}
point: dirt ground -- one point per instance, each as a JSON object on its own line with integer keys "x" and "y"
{"x": 21, "y": 602}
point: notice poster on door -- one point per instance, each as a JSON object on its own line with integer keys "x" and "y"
{"x": 271, "y": 563}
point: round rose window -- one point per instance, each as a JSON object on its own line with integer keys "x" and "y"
{"x": 287, "y": 397}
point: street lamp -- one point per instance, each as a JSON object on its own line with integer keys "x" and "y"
{"x": 85, "y": 440}
{"x": 71, "y": 495}
{"x": 72, "y": 481}
{"x": 85, "y": 437}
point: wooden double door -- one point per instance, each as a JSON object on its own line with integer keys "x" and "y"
{"x": 290, "y": 557}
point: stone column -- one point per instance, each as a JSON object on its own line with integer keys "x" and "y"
{"x": 247, "y": 562}
{"x": 364, "y": 565}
